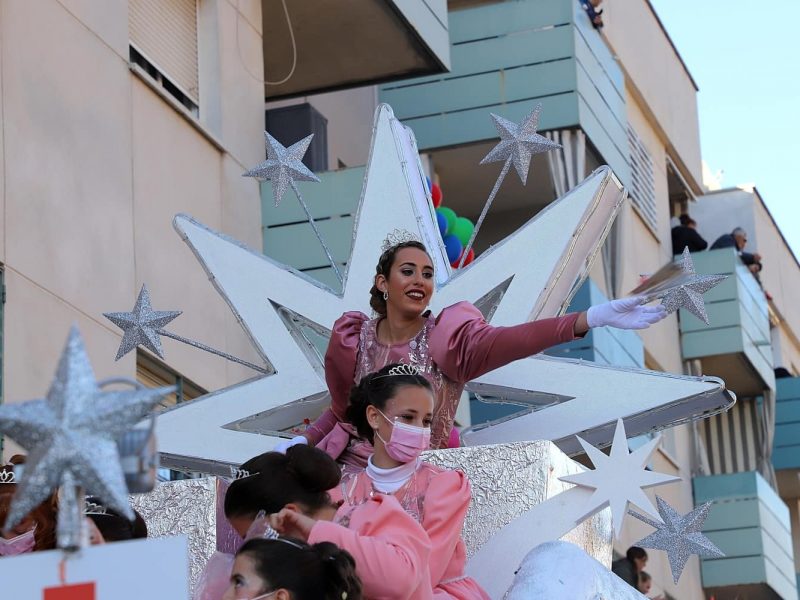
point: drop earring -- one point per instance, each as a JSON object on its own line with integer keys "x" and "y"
{"x": 385, "y": 295}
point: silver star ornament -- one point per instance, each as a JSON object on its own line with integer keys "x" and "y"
{"x": 679, "y": 536}
{"x": 619, "y": 477}
{"x": 141, "y": 325}
{"x": 283, "y": 166}
{"x": 519, "y": 142}
{"x": 71, "y": 434}
{"x": 689, "y": 294}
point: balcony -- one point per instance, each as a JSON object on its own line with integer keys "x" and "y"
{"x": 363, "y": 43}
{"x": 751, "y": 525}
{"x": 786, "y": 447}
{"x": 736, "y": 344}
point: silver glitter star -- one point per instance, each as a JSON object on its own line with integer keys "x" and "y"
{"x": 141, "y": 325}
{"x": 679, "y": 536}
{"x": 519, "y": 142}
{"x": 71, "y": 434}
{"x": 689, "y": 294}
{"x": 619, "y": 477}
{"x": 283, "y": 165}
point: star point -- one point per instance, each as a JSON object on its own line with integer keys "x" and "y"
{"x": 73, "y": 431}
{"x": 519, "y": 142}
{"x": 689, "y": 293}
{"x": 141, "y": 325}
{"x": 679, "y": 536}
{"x": 283, "y": 166}
{"x": 619, "y": 477}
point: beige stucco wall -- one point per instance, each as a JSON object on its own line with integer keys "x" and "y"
{"x": 659, "y": 79}
{"x": 96, "y": 164}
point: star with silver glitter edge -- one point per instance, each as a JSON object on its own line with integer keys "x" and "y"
{"x": 689, "y": 294}
{"x": 518, "y": 144}
{"x": 619, "y": 477}
{"x": 283, "y": 166}
{"x": 70, "y": 437}
{"x": 679, "y": 535}
{"x": 141, "y": 325}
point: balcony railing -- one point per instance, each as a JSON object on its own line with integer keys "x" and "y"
{"x": 751, "y": 525}
{"x": 509, "y": 56}
{"x": 736, "y": 344}
{"x": 786, "y": 449}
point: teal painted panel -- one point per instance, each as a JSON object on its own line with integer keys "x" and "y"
{"x": 602, "y": 71}
{"x": 504, "y": 17}
{"x": 297, "y": 246}
{"x": 787, "y": 434}
{"x": 496, "y": 87}
{"x": 787, "y": 388}
{"x": 732, "y": 571}
{"x": 742, "y": 513}
{"x": 337, "y": 194}
{"x": 611, "y": 154}
{"x": 786, "y": 448}
{"x": 736, "y": 543}
{"x": 785, "y": 586}
{"x": 787, "y": 412}
{"x": 733, "y": 486}
{"x": 786, "y": 457}
{"x": 474, "y": 125}
{"x": 711, "y": 343}
{"x": 721, "y": 314}
{"x": 592, "y": 38}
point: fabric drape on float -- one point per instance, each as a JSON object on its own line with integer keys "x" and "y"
{"x": 165, "y": 33}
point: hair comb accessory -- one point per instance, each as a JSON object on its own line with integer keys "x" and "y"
{"x": 397, "y": 237}
{"x": 402, "y": 369}
{"x": 237, "y": 473}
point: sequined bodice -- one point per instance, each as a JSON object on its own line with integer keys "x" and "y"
{"x": 374, "y": 355}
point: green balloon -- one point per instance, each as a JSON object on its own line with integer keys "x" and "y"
{"x": 462, "y": 229}
{"x": 450, "y": 215}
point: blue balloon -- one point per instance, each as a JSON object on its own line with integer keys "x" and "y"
{"x": 453, "y": 246}
{"x": 442, "y": 221}
{"x": 430, "y": 183}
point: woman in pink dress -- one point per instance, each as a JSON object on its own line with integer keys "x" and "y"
{"x": 393, "y": 410}
{"x": 390, "y": 548}
{"x": 450, "y": 349}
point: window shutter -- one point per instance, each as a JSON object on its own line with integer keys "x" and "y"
{"x": 642, "y": 190}
{"x": 165, "y": 33}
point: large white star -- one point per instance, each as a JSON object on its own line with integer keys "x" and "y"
{"x": 531, "y": 274}
{"x": 619, "y": 478}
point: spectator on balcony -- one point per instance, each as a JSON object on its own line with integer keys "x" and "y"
{"x": 738, "y": 239}
{"x": 590, "y": 6}
{"x": 629, "y": 566}
{"x": 685, "y": 236}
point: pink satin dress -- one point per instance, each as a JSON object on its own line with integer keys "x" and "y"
{"x": 451, "y": 350}
{"x": 438, "y": 500}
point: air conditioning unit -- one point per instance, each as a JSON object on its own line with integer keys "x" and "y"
{"x": 290, "y": 124}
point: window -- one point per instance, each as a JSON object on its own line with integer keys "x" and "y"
{"x": 152, "y": 373}
{"x": 642, "y": 192}
{"x": 163, "y": 43}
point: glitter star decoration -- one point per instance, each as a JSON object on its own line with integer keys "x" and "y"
{"x": 141, "y": 325}
{"x": 519, "y": 142}
{"x": 679, "y": 536}
{"x": 283, "y": 166}
{"x": 689, "y": 294}
{"x": 71, "y": 434}
{"x": 619, "y": 478}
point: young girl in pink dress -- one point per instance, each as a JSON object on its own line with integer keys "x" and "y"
{"x": 391, "y": 550}
{"x": 393, "y": 410}
{"x": 450, "y": 349}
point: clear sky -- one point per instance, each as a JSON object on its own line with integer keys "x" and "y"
{"x": 745, "y": 58}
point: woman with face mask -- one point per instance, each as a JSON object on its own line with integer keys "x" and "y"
{"x": 37, "y": 531}
{"x": 451, "y": 348}
{"x": 287, "y": 569}
{"x": 393, "y": 409}
{"x": 390, "y": 548}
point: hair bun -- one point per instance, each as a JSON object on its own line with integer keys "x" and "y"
{"x": 317, "y": 471}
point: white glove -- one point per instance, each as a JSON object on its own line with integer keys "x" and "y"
{"x": 286, "y": 444}
{"x": 625, "y": 313}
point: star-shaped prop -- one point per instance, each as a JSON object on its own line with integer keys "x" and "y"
{"x": 518, "y": 144}
{"x": 689, "y": 293}
{"x": 141, "y": 325}
{"x": 679, "y": 536}
{"x": 71, "y": 434}
{"x": 283, "y": 166}
{"x": 619, "y": 478}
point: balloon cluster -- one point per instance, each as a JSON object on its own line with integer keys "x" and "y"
{"x": 455, "y": 230}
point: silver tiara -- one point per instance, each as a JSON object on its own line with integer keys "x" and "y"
{"x": 8, "y": 476}
{"x": 397, "y": 237}
{"x": 402, "y": 369}
{"x": 237, "y": 473}
{"x": 92, "y": 508}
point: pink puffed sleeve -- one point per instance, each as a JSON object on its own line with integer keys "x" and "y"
{"x": 446, "y": 503}
{"x": 390, "y": 548}
{"x": 464, "y": 346}
{"x": 340, "y": 371}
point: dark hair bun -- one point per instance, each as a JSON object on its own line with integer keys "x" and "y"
{"x": 317, "y": 471}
